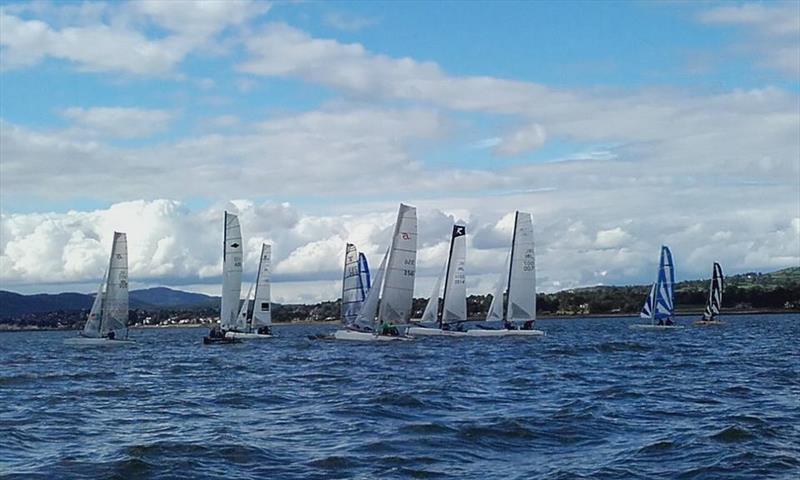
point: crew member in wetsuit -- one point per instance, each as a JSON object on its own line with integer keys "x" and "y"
{"x": 528, "y": 325}
{"x": 669, "y": 322}
{"x": 265, "y": 330}
{"x": 111, "y": 335}
{"x": 508, "y": 325}
{"x": 660, "y": 322}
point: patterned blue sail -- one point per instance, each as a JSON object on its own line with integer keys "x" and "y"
{"x": 363, "y": 270}
{"x": 665, "y": 294}
{"x": 647, "y": 309}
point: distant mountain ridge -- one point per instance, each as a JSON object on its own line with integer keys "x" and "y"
{"x": 14, "y": 304}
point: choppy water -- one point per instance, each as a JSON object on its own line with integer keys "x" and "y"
{"x": 593, "y": 399}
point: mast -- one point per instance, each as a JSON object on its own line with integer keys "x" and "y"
{"x": 511, "y": 265}
{"x": 446, "y": 277}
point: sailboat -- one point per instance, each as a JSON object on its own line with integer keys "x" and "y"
{"x": 355, "y": 284}
{"x": 659, "y": 307}
{"x": 392, "y": 288}
{"x": 454, "y": 312}
{"x": 107, "y": 323}
{"x": 714, "y": 303}
{"x": 256, "y": 324}
{"x": 231, "y": 281}
{"x": 519, "y": 281}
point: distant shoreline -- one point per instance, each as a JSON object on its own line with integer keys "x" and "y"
{"x": 13, "y": 328}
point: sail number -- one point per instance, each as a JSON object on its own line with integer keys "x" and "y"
{"x": 408, "y": 273}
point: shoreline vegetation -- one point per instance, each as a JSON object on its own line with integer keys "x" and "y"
{"x": 749, "y": 293}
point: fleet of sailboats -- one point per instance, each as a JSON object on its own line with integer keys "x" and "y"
{"x": 380, "y": 308}
{"x": 659, "y": 307}
{"x": 714, "y": 303}
{"x": 107, "y": 323}
{"x": 385, "y": 312}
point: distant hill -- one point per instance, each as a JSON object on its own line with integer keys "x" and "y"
{"x": 13, "y": 304}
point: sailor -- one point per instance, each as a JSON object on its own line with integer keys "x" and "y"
{"x": 111, "y": 335}
{"x": 660, "y": 322}
{"x": 460, "y": 327}
{"x": 508, "y": 325}
{"x": 669, "y": 321}
{"x": 528, "y": 325}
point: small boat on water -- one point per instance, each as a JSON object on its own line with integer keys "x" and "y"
{"x": 454, "y": 305}
{"x": 519, "y": 282}
{"x": 392, "y": 289}
{"x": 107, "y": 323}
{"x": 256, "y": 324}
{"x": 711, "y": 314}
{"x": 659, "y": 307}
{"x": 231, "y": 282}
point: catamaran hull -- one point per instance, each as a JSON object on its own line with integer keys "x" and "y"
{"x": 247, "y": 336}
{"x": 366, "y": 336}
{"x": 435, "y": 332}
{"x": 705, "y": 323}
{"x": 656, "y": 327}
{"x": 100, "y": 342}
{"x": 504, "y": 333}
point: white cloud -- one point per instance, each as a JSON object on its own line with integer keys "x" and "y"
{"x": 522, "y": 140}
{"x": 117, "y": 122}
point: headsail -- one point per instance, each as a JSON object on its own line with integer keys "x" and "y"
{"x": 398, "y": 288}
{"x": 231, "y": 272}
{"x": 115, "y": 301}
{"x": 352, "y": 290}
{"x": 366, "y": 316}
{"x": 522, "y": 274}
{"x": 496, "y": 307}
{"x": 714, "y": 294}
{"x": 455, "y": 286}
{"x": 262, "y": 314}
{"x": 665, "y": 295}
{"x": 92, "y": 327}
{"x": 242, "y": 318}
{"x": 647, "y": 309}
{"x": 431, "y": 313}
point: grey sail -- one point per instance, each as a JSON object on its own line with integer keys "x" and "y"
{"x": 522, "y": 273}
{"x": 398, "y": 285}
{"x": 352, "y": 291}
{"x": 92, "y": 327}
{"x": 431, "y": 313}
{"x": 495, "y": 312}
{"x": 367, "y": 315}
{"x": 262, "y": 314}
{"x": 231, "y": 272}
{"x": 115, "y": 300}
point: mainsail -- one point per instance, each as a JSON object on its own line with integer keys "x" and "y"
{"x": 243, "y": 318}
{"x": 366, "y": 316}
{"x": 431, "y": 313}
{"x": 665, "y": 295}
{"x": 714, "y": 294}
{"x": 231, "y": 272}
{"x": 496, "y": 307}
{"x": 455, "y": 286}
{"x": 398, "y": 287}
{"x": 115, "y": 300}
{"x": 363, "y": 268}
{"x": 262, "y": 315}
{"x": 522, "y": 275}
{"x": 352, "y": 291}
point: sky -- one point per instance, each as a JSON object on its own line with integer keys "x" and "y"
{"x": 620, "y": 126}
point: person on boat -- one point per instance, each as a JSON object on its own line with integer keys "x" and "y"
{"x": 389, "y": 329}
{"x": 265, "y": 330}
{"x": 669, "y": 322}
{"x": 460, "y": 327}
{"x": 111, "y": 335}
{"x": 508, "y": 325}
{"x": 528, "y": 325}
{"x": 660, "y": 322}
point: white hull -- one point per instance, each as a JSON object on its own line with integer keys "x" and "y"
{"x": 435, "y": 332}
{"x": 86, "y": 341}
{"x": 656, "y": 327}
{"x": 366, "y": 336}
{"x": 504, "y": 333}
{"x": 247, "y": 336}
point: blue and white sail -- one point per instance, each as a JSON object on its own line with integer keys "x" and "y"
{"x": 353, "y": 291}
{"x": 714, "y": 294}
{"x": 665, "y": 290}
{"x": 648, "y": 308}
{"x": 363, "y": 269}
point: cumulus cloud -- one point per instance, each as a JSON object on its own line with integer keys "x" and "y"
{"x": 116, "y": 122}
{"x": 524, "y": 139}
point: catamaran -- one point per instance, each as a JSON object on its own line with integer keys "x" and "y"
{"x": 231, "y": 281}
{"x": 107, "y": 323}
{"x": 393, "y": 288}
{"x": 454, "y": 312}
{"x": 659, "y": 307}
{"x": 519, "y": 281}
{"x": 714, "y": 303}
{"x": 256, "y": 324}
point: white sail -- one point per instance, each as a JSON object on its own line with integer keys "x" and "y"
{"x": 431, "y": 312}
{"x": 398, "y": 287}
{"x": 522, "y": 275}
{"x": 352, "y": 291}
{"x": 92, "y": 327}
{"x": 455, "y": 286}
{"x": 115, "y": 301}
{"x": 496, "y": 307}
{"x": 262, "y": 314}
{"x": 366, "y": 316}
{"x": 242, "y": 319}
{"x": 231, "y": 272}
